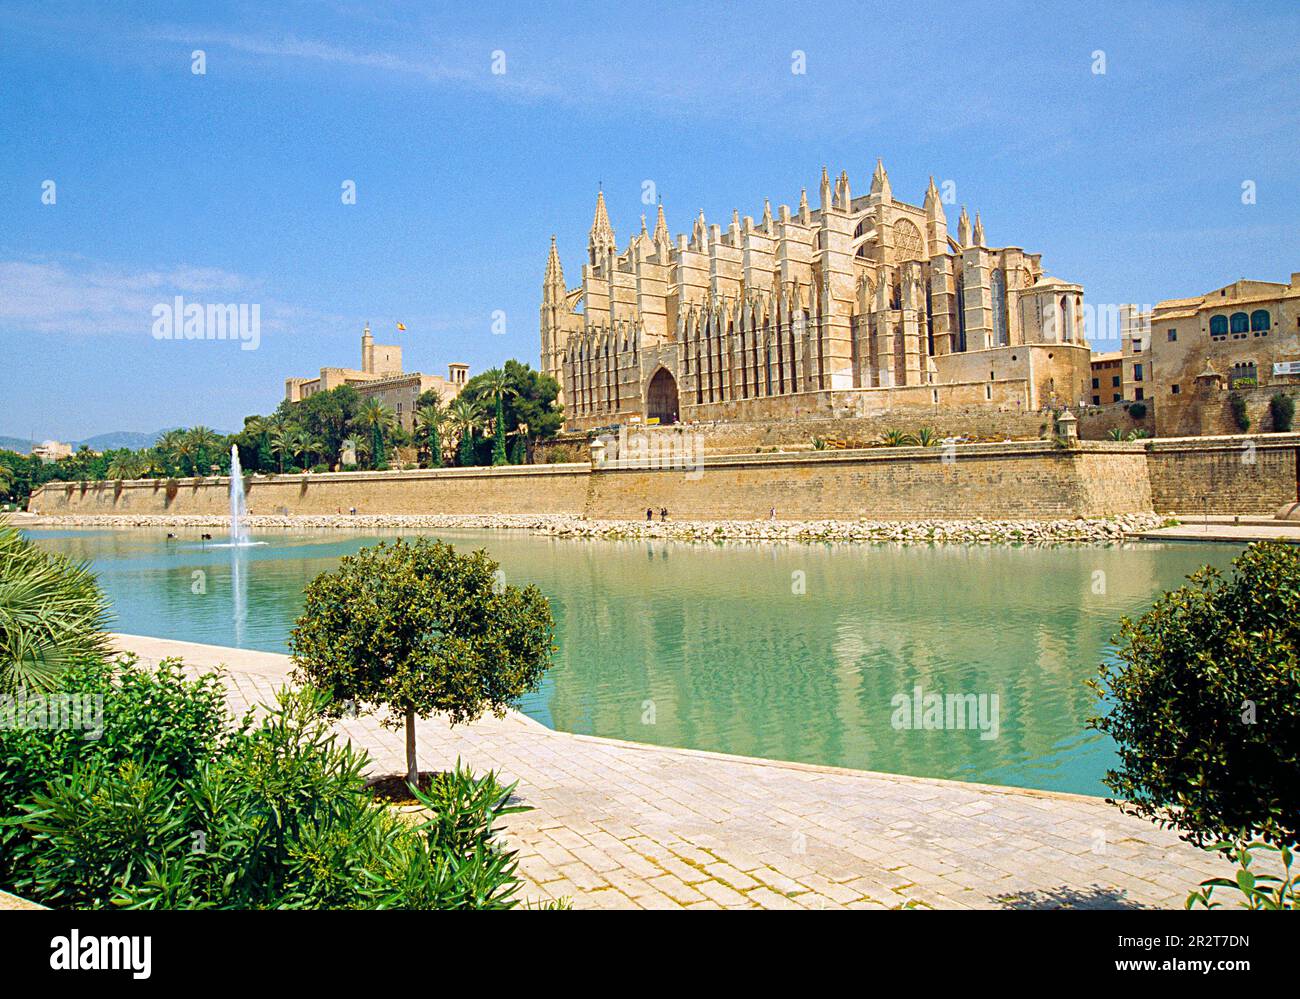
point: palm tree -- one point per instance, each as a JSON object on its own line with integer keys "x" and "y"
{"x": 429, "y": 419}
{"x": 497, "y": 386}
{"x": 7, "y": 478}
{"x": 204, "y": 440}
{"x": 466, "y": 416}
{"x": 359, "y": 446}
{"x": 183, "y": 455}
{"x": 51, "y": 613}
{"x": 124, "y": 465}
{"x": 380, "y": 421}
{"x": 281, "y": 441}
{"x": 152, "y": 462}
{"x": 171, "y": 445}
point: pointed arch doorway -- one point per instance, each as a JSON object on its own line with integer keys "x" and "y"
{"x": 661, "y": 397}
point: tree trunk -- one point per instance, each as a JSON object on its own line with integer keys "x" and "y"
{"x": 412, "y": 767}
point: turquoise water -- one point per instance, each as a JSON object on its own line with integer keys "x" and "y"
{"x": 791, "y": 652}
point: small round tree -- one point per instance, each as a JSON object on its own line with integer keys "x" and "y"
{"x": 1205, "y": 706}
{"x": 418, "y": 629}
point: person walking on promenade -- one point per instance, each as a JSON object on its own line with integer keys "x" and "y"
{"x": 663, "y": 514}
{"x": 649, "y": 514}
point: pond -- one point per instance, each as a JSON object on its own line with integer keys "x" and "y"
{"x": 962, "y": 662}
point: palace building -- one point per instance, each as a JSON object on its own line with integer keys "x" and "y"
{"x": 857, "y": 307}
{"x": 381, "y": 377}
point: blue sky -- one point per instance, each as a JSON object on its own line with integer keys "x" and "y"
{"x": 225, "y": 187}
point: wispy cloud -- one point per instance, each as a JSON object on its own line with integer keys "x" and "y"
{"x": 459, "y": 70}
{"x": 76, "y": 296}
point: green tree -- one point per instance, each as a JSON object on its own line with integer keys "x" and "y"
{"x": 497, "y": 385}
{"x": 205, "y": 444}
{"x": 465, "y": 416}
{"x": 328, "y": 417}
{"x": 429, "y": 418}
{"x": 124, "y": 464}
{"x": 283, "y": 439}
{"x": 529, "y": 406}
{"x": 51, "y": 613}
{"x": 379, "y": 422}
{"x": 1204, "y": 704}
{"x": 417, "y": 628}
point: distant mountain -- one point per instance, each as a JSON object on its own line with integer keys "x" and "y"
{"x": 19, "y": 444}
{"x": 119, "y": 438}
{"x": 100, "y": 442}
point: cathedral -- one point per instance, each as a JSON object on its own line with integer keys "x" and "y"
{"x": 860, "y": 307}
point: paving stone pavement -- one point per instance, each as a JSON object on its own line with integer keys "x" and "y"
{"x": 622, "y": 825}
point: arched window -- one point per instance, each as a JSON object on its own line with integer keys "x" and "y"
{"x": 999, "y": 286}
{"x": 1259, "y": 320}
{"x": 1064, "y": 321}
{"x": 1218, "y": 326}
{"x": 1240, "y": 322}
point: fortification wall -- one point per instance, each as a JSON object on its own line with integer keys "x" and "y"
{"x": 1019, "y": 480}
{"x": 1239, "y": 474}
{"x": 1031, "y": 479}
{"x": 558, "y": 489}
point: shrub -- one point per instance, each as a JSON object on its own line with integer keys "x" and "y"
{"x": 51, "y": 613}
{"x": 416, "y": 628}
{"x": 927, "y": 437}
{"x": 1237, "y": 403}
{"x": 1257, "y": 891}
{"x": 1205, "y": 708}
{"x": 560, "y": 454}
{"x": 273, "y": 814}
{"x": 1138, "y": 410}
{"x": 1281, "y": 410}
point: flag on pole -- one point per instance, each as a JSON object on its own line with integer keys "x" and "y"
{"x": 401, "y": 328}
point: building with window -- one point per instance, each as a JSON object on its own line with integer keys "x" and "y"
{"x": 1243, "y": 337}
{"x": 855, "y": 308}
{"x": 381, "y": 377}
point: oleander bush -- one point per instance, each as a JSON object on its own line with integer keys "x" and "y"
{"x": 169, "y": 805}
{"x": 1204, "y": 704}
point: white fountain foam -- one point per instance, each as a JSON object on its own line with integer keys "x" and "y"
{"x": 238, "y": 506}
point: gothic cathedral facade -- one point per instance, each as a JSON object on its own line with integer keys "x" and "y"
{"x": 856, "y": 308}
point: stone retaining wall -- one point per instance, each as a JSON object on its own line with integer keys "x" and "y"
{"x": 1241, "y": 474}
{"x": 1031, "y": 479}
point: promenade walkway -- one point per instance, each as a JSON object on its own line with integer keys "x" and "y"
{"x": 622, "y": 825}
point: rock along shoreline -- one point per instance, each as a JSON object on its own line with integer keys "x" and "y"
{"x": 1016, "y": 532}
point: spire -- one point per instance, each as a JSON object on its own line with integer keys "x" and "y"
{"x": 767, "y": 215}
{"x": 826, "y": 190}
{"x": 661, "y": 227}
{"x": 700, "y": 233}
{"x": 803, "y": 203}
{"x": 554, "y": 270}
{"x": 846, "y": 199}
{"x": 934, "y": 204}
{"x": 880, "y": 182}
{"x": 735, "y": 219}
{"x": 963, "y": 229}
{"x": 979, "y": 230}
{"x": 643, "y": 228}
{"x": 601, "y": 239}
